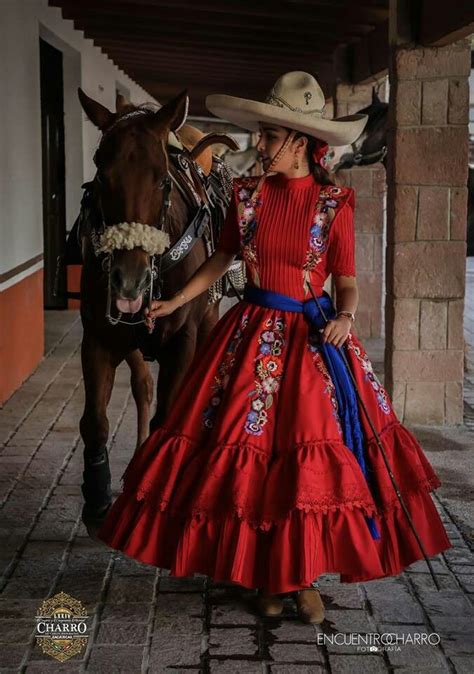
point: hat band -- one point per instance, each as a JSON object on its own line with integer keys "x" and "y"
{"x": 281, "y": 103}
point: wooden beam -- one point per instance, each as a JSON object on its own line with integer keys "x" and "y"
{"x": 233, "y": 88}
{"x": 164, "y": 91}
{"x": 188, "y": 68}
{"x": 299, "y": 42}
{"x": 351, "y": 23}
{"x": 184, "y": 78}
{"x": 283, "y": 10}
{"x": 325, "y": 30}
{"x": 404, "y": 22}
{"x": 203, "y": 88}
{"x": 237, "y": 59}
{"x": 171, "y": 46}
{"x": 229, "y": 6}
{"x": 369, "y": 57}
{"x": 324, "y": 75}
{"x": 442, "y": 23}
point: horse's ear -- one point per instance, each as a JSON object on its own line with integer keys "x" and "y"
{"x": 97, "y": 113}
{"x": 122, "y": 104}
{"x": 174, "y": 113}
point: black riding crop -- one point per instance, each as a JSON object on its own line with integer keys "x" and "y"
{"x": 382, "y": 450}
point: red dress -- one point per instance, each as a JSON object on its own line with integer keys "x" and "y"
{"x": 249, "y": 480}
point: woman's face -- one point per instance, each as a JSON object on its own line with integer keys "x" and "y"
{"x": 271, "y": 138}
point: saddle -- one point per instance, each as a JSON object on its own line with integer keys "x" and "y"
{"x": 207, "y": 196}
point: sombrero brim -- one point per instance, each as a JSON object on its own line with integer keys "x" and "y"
{"x": 247, "y": 114}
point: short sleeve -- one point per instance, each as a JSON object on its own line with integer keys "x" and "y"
{"x": 341, "y": 249}
{"x": 229, "y": 239}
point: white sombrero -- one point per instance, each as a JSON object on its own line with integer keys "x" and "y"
{"x": 297, "y": 102}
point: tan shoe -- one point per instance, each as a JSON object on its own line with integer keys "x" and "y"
{"x": 269, "y": 604}
{"x": 310, "y": 606}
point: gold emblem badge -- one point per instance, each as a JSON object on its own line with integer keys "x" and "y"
{"x": 61, "y": 627}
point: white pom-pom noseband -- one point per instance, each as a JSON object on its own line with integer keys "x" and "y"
{"x": 129, "y": 235}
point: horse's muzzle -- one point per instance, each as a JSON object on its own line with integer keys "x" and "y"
{"x": 129, "y": 291}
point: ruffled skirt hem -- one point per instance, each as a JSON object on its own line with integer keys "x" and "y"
{"x": 284, "y": 558}
{"x": 275, "y": 521}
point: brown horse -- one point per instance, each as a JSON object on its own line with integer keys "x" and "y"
{"x": 132, "y": 162}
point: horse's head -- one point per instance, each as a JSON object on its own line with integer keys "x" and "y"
{"x": 132, "y": 172}
{"x": 374, "y": 134}
{"x": 371, "y": 145}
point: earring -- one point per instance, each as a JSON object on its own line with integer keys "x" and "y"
{"x": 296, "y": 163}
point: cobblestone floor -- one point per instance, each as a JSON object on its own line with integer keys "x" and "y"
{"x": 142, "y": 620}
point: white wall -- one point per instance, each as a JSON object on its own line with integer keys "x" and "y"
{"x": 22, "y": 22}
{"x": 471, "y": 103}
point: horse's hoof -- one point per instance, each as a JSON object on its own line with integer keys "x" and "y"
{"x": 93, "y": 520}
{"x": 92, "y": 533}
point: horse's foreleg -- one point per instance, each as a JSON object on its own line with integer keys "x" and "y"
{"x": 99, "y": 372}
{"x": 175, "y": 359}
{"x": 142, "y": 389}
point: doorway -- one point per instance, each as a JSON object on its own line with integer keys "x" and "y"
{"x": 54, "y": 174}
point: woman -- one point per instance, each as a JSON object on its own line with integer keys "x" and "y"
{"x": 266, "y": 473}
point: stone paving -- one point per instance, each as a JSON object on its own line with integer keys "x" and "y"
{"x": 144, "y": 621}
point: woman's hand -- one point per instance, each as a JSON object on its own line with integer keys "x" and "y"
{"x": 337, "y": 331}
{"x": 158, "y": 309}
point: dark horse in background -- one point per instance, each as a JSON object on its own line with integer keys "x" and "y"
{"x": 129, "y": 187}
{"x": 371, "y": 147}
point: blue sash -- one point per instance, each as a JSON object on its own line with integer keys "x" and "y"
{"x": 348, "y": 408}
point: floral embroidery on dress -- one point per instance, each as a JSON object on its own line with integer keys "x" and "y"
{"x": 330, "y": 389}
{"x": 381, "y": 394}
{"x": 247, "y": 225}
{"x": 330, "y": 197}
{"x": 269, "y": 371}
{"x": 222, "y": 377}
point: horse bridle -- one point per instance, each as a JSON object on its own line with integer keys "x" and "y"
{"x": 360, "y": 159}
{"x": 189, "y": 179}
{"x": 153, "y": 289}
{"x": 163, "y": 261}
{"x": 166, "y": 185}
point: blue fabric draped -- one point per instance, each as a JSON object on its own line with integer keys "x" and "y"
{"x": 348, "y": 408}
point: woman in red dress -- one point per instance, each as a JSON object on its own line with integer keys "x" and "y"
{"x": 266, "y": 472}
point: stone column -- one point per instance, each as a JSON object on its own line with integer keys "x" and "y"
{"x": 370, "y": 188}
{"x": 426, "y": 231}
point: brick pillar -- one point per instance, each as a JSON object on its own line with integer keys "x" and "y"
{"x": 426, "y": 231}
{"x": 370, "y": 187}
